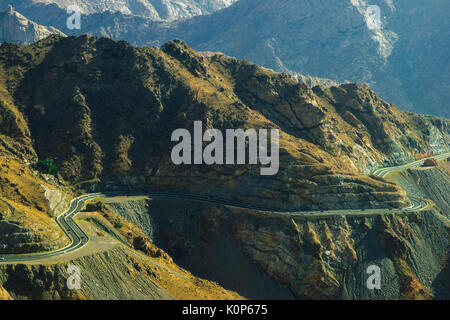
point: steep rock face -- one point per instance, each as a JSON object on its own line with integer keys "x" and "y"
{"x": 96, "y": 126}
{"x": 16, "y": 28}
{"x": 265, "y": 256}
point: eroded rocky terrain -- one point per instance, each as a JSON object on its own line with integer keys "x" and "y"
{"x": 271, "y": 256}
{"x": 87, "y": 113}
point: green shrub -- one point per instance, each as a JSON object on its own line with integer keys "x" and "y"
{"x": 118, "y": 225}
{"x": 47, "y": 166}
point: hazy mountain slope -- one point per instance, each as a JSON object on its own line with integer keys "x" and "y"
{"x": 153, "y": 9}
{"x": 16, "y": 28}
{"x": 406, "y": 61}
{"x": 94, "y": 125}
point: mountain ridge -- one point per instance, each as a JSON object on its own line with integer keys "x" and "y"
{"x": 329, "y": 136}
{"x": 169, "y": 10}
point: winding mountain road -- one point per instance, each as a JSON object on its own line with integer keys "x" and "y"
{"x": 383, "y": 172}
{"x": 65, "y": 220}
{"x": 78, "y": 238}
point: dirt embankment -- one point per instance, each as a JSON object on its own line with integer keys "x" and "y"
{"x": 328, "y": 136}
{"x": 118, "y": 274}
{"x": 102, "y": 277}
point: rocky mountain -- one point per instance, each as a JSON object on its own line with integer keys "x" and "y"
{"x": 16, "y": 28}
{"x": 153, "y": 9}
{"x": 101, "y": 113}
{"x": 94, "y": 126}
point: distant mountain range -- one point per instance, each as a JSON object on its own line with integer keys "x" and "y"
{"x": 16, "y": 28}
{"x": 154, "y": 9}
{"x": 405, "y": 61}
